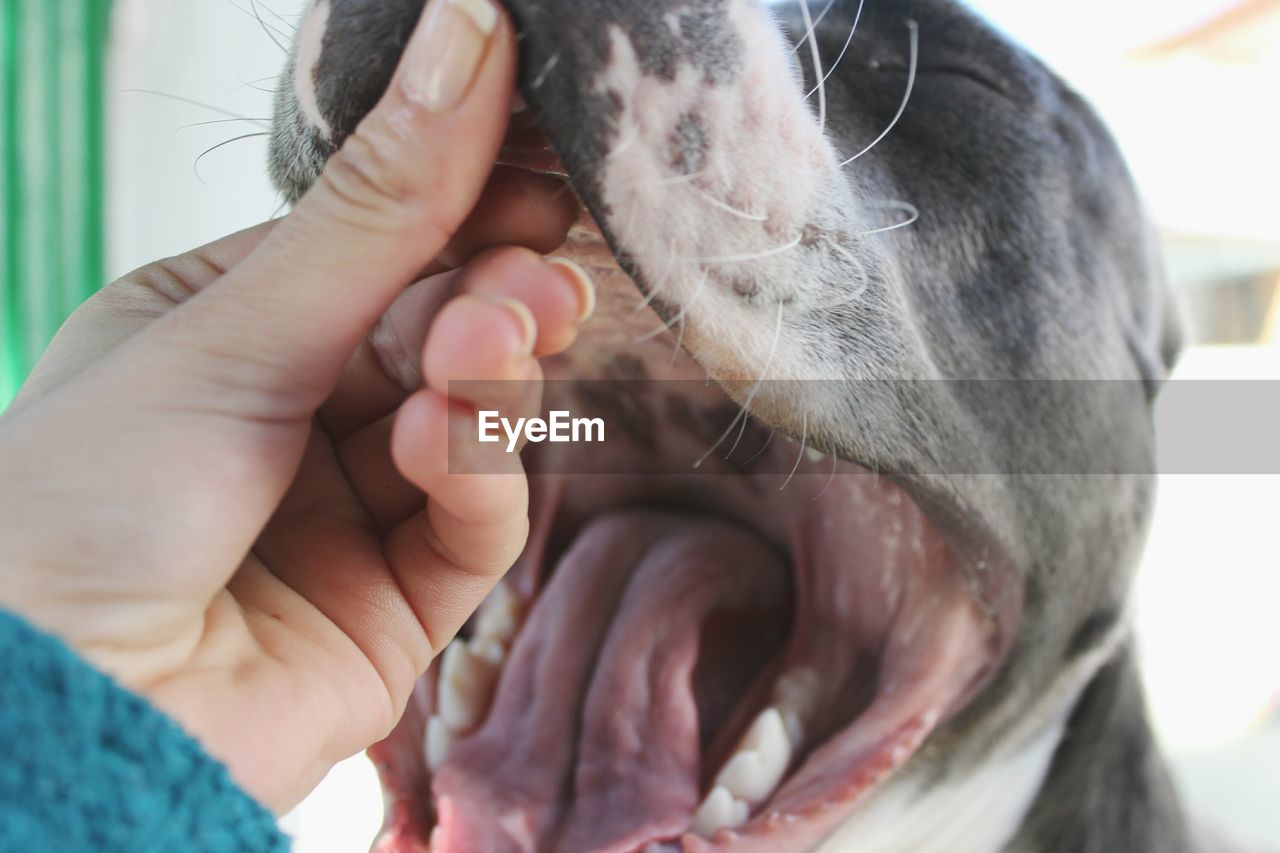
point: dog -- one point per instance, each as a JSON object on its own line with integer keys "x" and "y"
{"x": 914, "y": 266}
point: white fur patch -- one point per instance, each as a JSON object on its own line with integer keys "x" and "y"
{"x": 309, "y": 44}
{"x": 723, "y": 245}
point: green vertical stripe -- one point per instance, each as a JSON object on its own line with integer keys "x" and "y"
{"x": 11, "y": 344}
{"x": 52, "y": 115}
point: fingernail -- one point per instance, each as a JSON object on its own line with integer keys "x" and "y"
{"x": 446, "y": 51}
{"x": 582, "y": 283}
{"x": 523, "y": 317}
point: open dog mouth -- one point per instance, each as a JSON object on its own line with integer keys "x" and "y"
{"x": 681, "y": 661}
{"x": 672, "y": 661}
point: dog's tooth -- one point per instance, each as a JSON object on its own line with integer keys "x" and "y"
{"x": 794, "y": 696}
{"x": 466, "y": 685}
{"x": 438, "y": 741}
{"x": 499, "y": 616}
{"x": 754, "y": 771}
{"x": 815, "y": 455}
{"x": 720, "y": 810}
{"x": 490, "y": 651}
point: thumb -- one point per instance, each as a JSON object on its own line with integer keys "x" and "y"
{"x": 286, "y": 319}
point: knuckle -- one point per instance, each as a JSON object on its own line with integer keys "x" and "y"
{"x": 172, "y": 280}
{"x": 163, "y": 279}
{"x": 366, "y": 173}
{"x": 158, "y": 287}
{"x": 465, "y": 558}
{"x": 384, "y": 177}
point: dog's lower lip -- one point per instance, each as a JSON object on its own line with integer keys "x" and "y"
{"x": 890, "y": 695}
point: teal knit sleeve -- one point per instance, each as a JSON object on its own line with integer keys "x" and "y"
{"x": 86, "y": 765}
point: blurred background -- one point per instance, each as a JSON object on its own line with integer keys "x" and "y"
{"x": 135, "y": 129}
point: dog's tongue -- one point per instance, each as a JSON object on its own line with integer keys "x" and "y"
{"x": 649, "y": 632}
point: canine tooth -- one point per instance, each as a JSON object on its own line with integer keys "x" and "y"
{"x": 797, "y": 689}
{"x": 490, "y": 651}
{"x": 498, "y": 616}
{"x": 815, "y": 455}
{"x": 794, "y": 696}
{"x": 720, "y": 810}
{"x": 755, "y": 770}
{"x": 439, "y": 740}
{"x": 466, "y": 685}
{"x": 794, "y": 725}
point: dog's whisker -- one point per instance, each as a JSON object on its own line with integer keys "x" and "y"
{"x": 271, "y": 28}
{"x": 280, "y": 208}
{"x": 741, "y": 432}
{"x": 271, "y": 32}
{"x": 195, "y": 167}
{"x": 763, "y": 447}
{"x": 730, "y": 209}
{"x": 254, "y": 86}
{"x": 795, "y": 48}
{"x": 844, "y": 50}
{"x": 751, "y": 395}
{"x": 735, "y": 259}
{"x": 719, "y": 441}
{"x": 647, "y": 301}
{"x": 260, "y": 122}
{"x": 911, "y": 82}
{"x": 678, "y": 318}
{"x": 648, "y": 336}
{"x": 804, "y": 437}
{"x": 545, "y": 71}
{"x": 680, "y": 179}
{"x": 620, "y": 148}
{"x": 862, "y": 279}
{"x": 292, "y": 25}
{"x": 835, "y": 464}
{"x": 192, "y": 102}
{"x": 912, "y": 212}
{"x": 815, "y": 55}
{"x": 679, "y": 347}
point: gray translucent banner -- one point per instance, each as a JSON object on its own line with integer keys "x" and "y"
{"x": 909, "y": 427}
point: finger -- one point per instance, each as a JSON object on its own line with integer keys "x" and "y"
{"x": 499, "y": 335}
{"x": 448, "y": 557}
{"x": 321, "y": 543}
{"x": 559, "y": 303}
{"x": 283, "y": 323}
{"x": 387, "y": 366}
{"x": 385, "y": 369}
{"x": 480, "y": 351}
{"x": 123, "y": 308}
{"x": 386, "y": 494}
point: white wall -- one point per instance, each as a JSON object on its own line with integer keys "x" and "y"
{"x": 201, "y": 50}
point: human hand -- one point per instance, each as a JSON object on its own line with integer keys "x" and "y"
{"x": 226, "y": 484}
